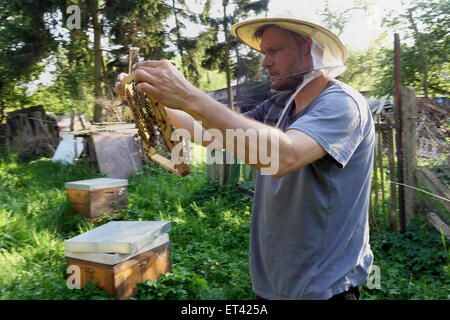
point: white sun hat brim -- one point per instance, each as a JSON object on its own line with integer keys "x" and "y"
{"x": 245, "y": 31}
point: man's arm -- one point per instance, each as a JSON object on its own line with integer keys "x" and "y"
{"x": 183, "y": 120}
{"x": 293, "y": 148}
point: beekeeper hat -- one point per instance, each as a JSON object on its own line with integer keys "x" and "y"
{"x": 328, "y": 52}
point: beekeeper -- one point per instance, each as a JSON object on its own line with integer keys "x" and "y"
{"x": 309, "y": 236}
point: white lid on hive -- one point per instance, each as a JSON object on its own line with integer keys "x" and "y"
{"x": 99, "y": 183}
{"x": 126, "y": 237}
{"x": 115, "y": 258}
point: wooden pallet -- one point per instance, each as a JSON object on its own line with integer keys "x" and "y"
{"x": 152, "y": 122}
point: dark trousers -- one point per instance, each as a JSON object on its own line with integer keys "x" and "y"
{"x": 351, "y": 294}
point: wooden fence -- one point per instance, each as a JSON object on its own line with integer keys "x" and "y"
{"x": 387, "y": 182}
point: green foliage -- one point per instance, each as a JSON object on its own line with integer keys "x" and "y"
{"x": 140, "y": 24}
{"x": 217, "y": 53}
{"x": 364, "y": 68}
{"x": 209, "y": 237}
{"x": 336, "y": 20}
{"x": 429, "y": 203}
{"x": 425, "y": 48}
{"x": 413, "y": 265}
{"x": 26, "y": 39}
{"x": 72, "y": 89}
{"x": 439, "y": 167}
{"x": 30, "y": 41}
{"x": 177, "y": 285}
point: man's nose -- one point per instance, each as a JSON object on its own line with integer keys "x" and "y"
{"x": 266, "y": 62}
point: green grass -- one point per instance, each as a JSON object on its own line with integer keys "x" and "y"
{"x": 414, "y": 265}
{"x": 209, "y": 237}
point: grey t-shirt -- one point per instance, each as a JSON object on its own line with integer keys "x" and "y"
{"x": 309, "y": 231}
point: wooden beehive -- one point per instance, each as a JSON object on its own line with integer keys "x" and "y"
{"x": 120, "y": 254}
{"x": 95, "y": 197}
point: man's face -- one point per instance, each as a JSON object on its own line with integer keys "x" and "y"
{"x": 284, "y": 54}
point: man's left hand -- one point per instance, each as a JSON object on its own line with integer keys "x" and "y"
{"x": 162, "y": 81}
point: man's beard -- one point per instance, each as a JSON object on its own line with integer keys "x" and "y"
{"x": 291, "y": 83}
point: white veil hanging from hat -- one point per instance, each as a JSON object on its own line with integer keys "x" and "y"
{"x": 326, "y": 61}
{"x": 325, "y": 58}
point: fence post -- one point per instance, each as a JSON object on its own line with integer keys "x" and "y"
{"x": 409, "y": 136}
{"x": 398, "y": 136}
{"x": 375, "y": 182}
{"x": 392, "y": 174}
{"x": 380, "y": 165}
{"x": 228, "y": 171}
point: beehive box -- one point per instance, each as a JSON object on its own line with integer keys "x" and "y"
{"x": 95, "y": 197}
{"x": 120, "y": 254}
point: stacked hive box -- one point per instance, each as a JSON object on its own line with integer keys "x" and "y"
{"x": 120, "y": 254}
{"x": 95, "y": 197}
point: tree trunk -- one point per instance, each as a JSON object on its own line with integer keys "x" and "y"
{"x": 227, "y": 56}
{"x": 98, "y": 59}
{"x": 108, "y": 85}
{"x": 178, "y": 35}
{"x": 2, "y": 109}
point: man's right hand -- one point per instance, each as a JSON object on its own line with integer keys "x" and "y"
{"x": 118, "y": 88}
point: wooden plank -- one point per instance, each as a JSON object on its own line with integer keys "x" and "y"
{"x": 399, "y": 132}
{"x": 147, "y": 266}
{"x": 125, "y": 237}
{"x": 117, "y": 154}
{"x": 409, "y": 142}
{"x": 434, "y": 185}
{"x": 438, "y": 224}
{"x": 80, "y": 201}
{"x": 384, "y": 126}
{"x": 392, "y": 174}
{"x": 165, "y": 163}
{"x": 108, "y": 200}
{"x": 115, "y": 258}
{"x": 375, "y": 184}
{"x": 380, "y": 166}
{"x": 32, "y": 130}
{"x": 64, "y": 124}
{"x": 100, "y": 274}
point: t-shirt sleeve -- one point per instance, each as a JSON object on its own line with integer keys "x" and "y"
{"x": 335, "y": 123}
{"x": 259, "y": 112}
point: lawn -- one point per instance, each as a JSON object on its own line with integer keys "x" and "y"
{"x": 209, "y": 237}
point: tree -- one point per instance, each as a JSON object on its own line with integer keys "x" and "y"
{"x": 218, "y": 54}
{"x": 25, "y": 39}
{"x": 74, "y": 58}
{"x": 337, "y": 19}
{"x": 136, "y": 23}
{"x": 363, "y": 66}
{"x": 425, "y": 66}
{"x": 93, "y": 9}
{"x": 186, "y": 46}
{"x": 31, "y": 31}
